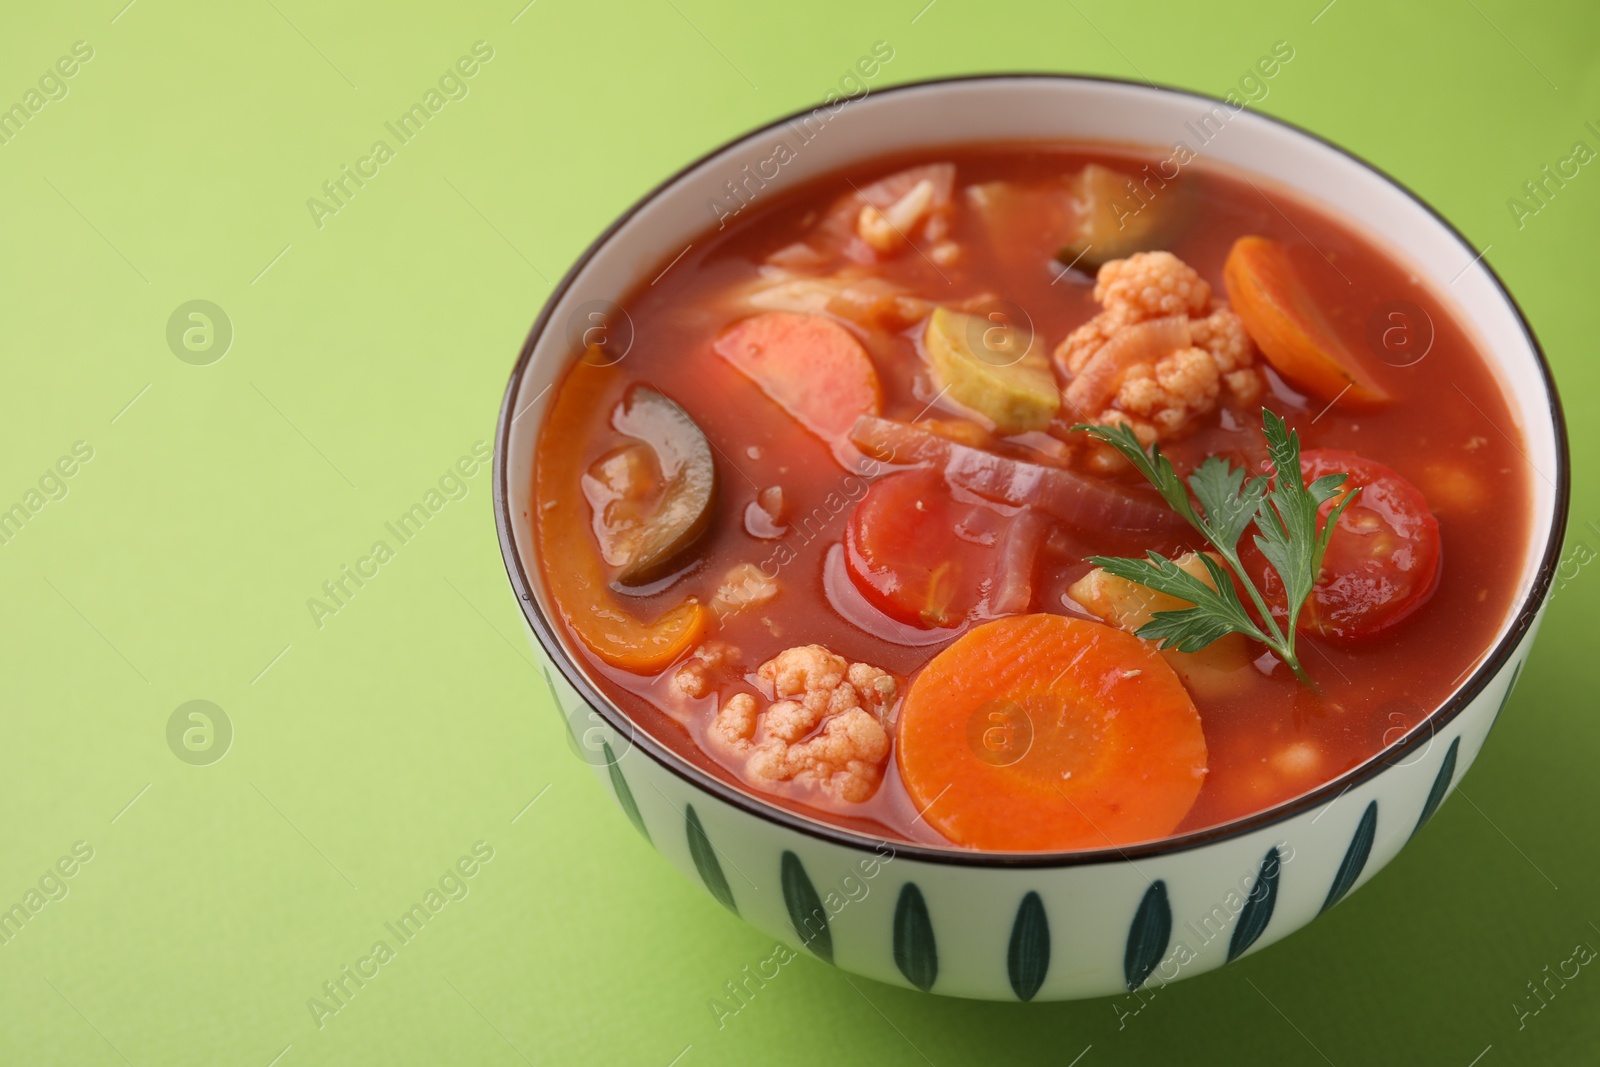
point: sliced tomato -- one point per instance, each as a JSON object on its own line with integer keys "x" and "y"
{"x": 1382, "y": 562}
{"x": 918, "y": 554}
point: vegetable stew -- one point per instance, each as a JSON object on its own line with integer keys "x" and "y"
{"x": 1023, "y": 497}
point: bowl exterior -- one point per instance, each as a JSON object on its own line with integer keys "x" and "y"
{"x": 1026, "y": 932}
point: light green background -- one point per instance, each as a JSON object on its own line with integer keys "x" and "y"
{"x": 370, "y": 753}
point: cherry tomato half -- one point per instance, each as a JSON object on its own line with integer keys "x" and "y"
{"x": 1382, "y": 562}
{"x": 917, "y": 553}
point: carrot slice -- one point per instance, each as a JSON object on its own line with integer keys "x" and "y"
{"x": 572, "y": 565}
{"x": 1292, "y": 332}
{"x": 811, "y": 366}
{"x": 1041, "y": 732}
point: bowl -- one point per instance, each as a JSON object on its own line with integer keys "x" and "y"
{"x": 1033, "y": 926}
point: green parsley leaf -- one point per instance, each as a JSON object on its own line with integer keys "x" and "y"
{"x": 1283, "y": 510}
{"x": 1228, "y": 501}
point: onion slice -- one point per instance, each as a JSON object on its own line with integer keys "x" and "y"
{"x": 1019, "y": 552}
{"x": 1144, "y": 342}
{"x": 1087, "y": 504}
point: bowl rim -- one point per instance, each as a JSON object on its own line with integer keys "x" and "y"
{"x": 1526, "y": 613}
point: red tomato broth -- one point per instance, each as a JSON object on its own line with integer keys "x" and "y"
{"x": 1270, "y": 740}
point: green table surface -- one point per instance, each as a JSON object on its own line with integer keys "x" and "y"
{"x": 373, "y": 747}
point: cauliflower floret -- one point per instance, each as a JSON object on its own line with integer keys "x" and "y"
{"x": 1081, "y": 344}
{"x": 744, "y": 586}
{"x": 735, "y": 724}
{"x": 1189, "y": 382}
{"x": 1160, "y": 398}
{"x": 1148, "y": 285}
{"x": 1167, "y": 393}
{"x": 1246, "y": 386}
{"x": 711, "y": 663}
{"x": 1222, "y": 334}
{"x": 824, "y": 729}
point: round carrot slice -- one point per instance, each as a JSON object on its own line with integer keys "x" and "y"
{"x": 1043, "y": 733}
{"x": 811, "y": 366}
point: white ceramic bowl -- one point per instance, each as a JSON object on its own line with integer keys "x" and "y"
{"x": 1035, "y": 926}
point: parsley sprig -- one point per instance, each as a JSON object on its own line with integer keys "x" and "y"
{"x": 1283, "y": 510}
